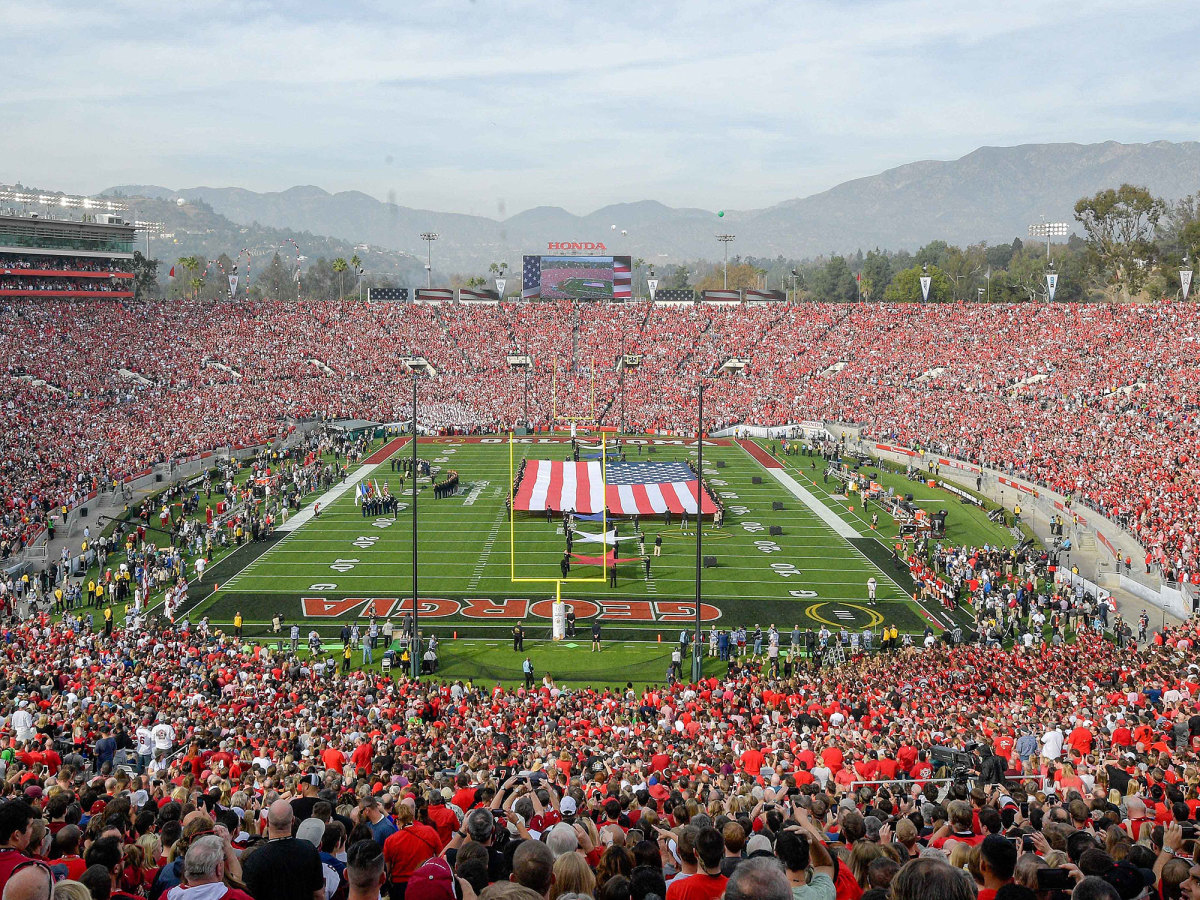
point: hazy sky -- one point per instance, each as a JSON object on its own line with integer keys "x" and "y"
{"x": 495, "y": 106}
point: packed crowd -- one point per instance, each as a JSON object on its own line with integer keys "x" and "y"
{"x": 1098, "y": 402}
{"x": 25, "y": 261}
{"x": 92, "y": 285}
{"x": 161, "y": 761}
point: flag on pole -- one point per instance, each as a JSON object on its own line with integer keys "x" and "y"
{"x": 172, "y": 272}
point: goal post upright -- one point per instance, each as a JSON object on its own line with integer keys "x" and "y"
{"x": 512, "y": 540}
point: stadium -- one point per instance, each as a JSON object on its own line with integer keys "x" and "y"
{"x": 747, "y": 527}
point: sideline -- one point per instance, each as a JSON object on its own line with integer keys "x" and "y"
{"x": 326, "y": 500}
{"x": 796, "y": 489}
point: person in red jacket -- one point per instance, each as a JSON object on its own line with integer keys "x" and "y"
{"x": 408, "y": 849}
{"x": 441, "y": 817}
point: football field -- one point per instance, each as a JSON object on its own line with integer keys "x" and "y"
{"x": 480, "y": 570}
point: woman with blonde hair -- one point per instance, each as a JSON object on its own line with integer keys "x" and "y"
{"x": 960, "y": 856}
{"x": 861, "y": 857}
{"x": 572, "y": 875}
{"x": 71, "y": 890}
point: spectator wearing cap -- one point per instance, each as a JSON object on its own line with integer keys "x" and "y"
{"x": 302, "y": 806}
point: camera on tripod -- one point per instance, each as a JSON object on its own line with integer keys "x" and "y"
{"x": 959, "y": 762}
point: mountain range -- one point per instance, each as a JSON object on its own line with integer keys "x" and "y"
{"x": 992, "y": 194}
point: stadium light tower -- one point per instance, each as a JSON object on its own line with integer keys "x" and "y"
{"x": 696, "y": 665}
{"x": 415, "y": 642}
{"x": 429, "y": 237}
{"x": 726, "y": 239}
{"x": 1046, "y": 229}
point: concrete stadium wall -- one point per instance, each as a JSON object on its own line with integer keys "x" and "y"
{"x": 1040, "y": 505}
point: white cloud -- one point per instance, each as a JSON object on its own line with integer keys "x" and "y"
{"x": 572, "y": 104}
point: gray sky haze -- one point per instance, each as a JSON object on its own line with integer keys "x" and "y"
{"x": 496, "y": 106}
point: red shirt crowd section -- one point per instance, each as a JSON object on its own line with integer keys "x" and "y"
{"x": 1099, "y": 402}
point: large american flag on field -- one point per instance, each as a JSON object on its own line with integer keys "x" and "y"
{"x": 633, "y": 488}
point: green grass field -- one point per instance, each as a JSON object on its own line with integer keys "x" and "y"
{"x": 589, "y": 288}
{"x": 344, "y": 565}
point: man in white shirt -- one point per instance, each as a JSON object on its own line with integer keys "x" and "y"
{"x": 22, "y": 723}
{"x": 145, "y": 745}
{"x": 164, "y": 737}
{"x": 1052, "y": 743}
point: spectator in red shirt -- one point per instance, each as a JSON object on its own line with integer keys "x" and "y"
{"x": 708, "y": 883}
{"x": 16, "y": 830}
{"x": 410, "y": 847}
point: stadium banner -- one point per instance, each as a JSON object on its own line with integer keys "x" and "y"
{"x": 959, "y": 492}
{"x": 954, "y": 463}
{"x": 674, "y": 295}
{"x": 435, "y": 295}
{"x": 387, "y": 294}
{"x": 753, "y": 294}
{"x": 1023, "y": 488}
{"x": 903, "y": 451}
{"x": 470, "y": 295}
{"x": 721, "y": 296}
{"x": 577, "y": 277}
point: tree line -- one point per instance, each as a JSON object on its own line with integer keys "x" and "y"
{"x": 1132, "y": 248}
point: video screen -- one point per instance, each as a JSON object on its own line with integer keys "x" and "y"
{"x": 577, "y": 277}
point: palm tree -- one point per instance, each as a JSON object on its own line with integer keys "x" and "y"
{"x": 191, "y": 263}
{"x": 357, "y": 264}
{"x": 340, "y": 266}
{"x": 498, "y": 270}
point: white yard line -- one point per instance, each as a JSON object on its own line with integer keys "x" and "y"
{"x": 801, "y": 493}
{"x": 326, "y": 499}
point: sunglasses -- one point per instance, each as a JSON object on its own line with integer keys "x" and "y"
{"x": 34, "y": 863}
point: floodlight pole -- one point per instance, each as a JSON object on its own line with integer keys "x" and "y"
{"x": 428, "y": 237}
{"x": 1045, "y": 229}
{"x": 415, "y": 643}
{"x": 696, "y": 668}
{"x": 621, "y": 428}
{"x": 725, "y": 239}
